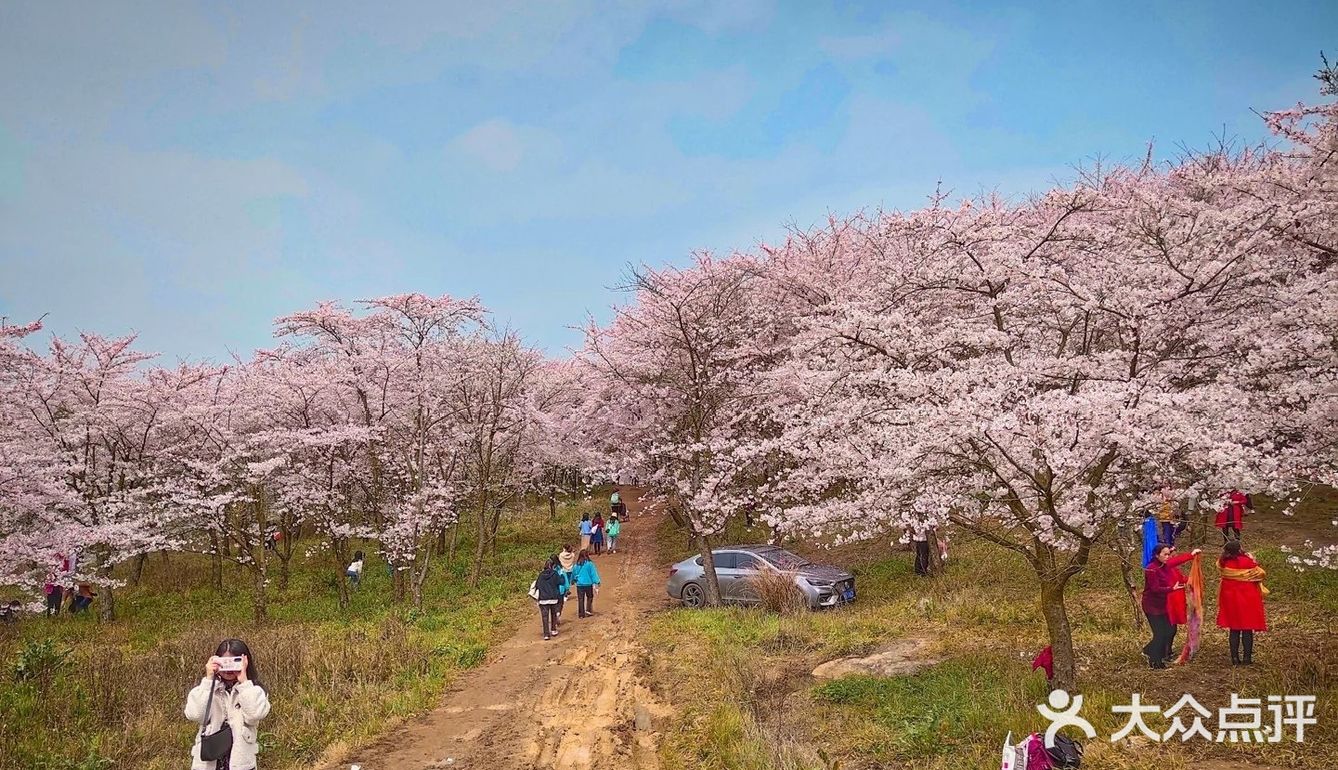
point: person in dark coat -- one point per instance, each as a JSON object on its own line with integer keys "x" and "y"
{"x": 549, "y": 585}
{"x": 1160, "y": 580}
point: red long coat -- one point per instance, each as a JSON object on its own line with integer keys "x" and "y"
{"x": 1240, "y": 603}
{"x": 1233, "y": 513}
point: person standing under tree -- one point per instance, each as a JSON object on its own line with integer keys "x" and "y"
{"x": 616, "y": 503}
{"x": 1231, "y": 519}
{"x": 920, "y": 542}
{"x": 1240, "y": 601}
{"x": 1161, "y": 579}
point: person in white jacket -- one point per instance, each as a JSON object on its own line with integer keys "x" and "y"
{"x": 239, "y": 700}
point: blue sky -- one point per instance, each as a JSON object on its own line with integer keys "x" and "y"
{"x": 190, "y": 172}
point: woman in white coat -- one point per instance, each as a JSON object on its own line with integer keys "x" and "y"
{"x": 239, "y": 701}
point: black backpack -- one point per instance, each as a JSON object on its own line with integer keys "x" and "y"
{"x": 1066, "y": 753}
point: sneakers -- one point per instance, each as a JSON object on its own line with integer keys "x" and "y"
{"x": 546, "y": 638}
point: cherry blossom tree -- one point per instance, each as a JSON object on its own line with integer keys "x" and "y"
{"x": 1031, "y": 372}
{"x": 91, "y": 426}
{"x": 671, "y": 384}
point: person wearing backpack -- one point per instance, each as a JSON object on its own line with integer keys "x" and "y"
{"x": 587, "y": 585}
{"x": 549, "y": 591}
{"x": 228, "y": 705}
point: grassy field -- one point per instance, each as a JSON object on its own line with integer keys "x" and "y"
{"x": 110, "y": 694}
{"x": 741, "y": 678}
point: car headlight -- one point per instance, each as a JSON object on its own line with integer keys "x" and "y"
{"x": 820, "y": 583}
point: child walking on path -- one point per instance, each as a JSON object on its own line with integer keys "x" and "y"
{"x": 566, "y": 564}
{"x": 597, "y": 534}
{"x": 587, "y": 583}
{"x": 614, "y": 527}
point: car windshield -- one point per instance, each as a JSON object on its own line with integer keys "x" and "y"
{"x": 784, "y": 559}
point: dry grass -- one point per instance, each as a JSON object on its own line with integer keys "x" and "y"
{"x": 984, "y": 612}
{"x": 336, "y": 678}
{"x": 778, "y": 592}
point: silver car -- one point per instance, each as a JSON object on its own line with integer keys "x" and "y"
{"x": 736, "y": 566}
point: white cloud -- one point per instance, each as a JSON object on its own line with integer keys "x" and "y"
{"x": 499, "y": 145}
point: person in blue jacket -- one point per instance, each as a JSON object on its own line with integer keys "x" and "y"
{"x": 587, "y": 584}
{"x": 586, "y": 528}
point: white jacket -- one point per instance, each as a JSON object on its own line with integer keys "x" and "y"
{"x": 243, "y": 708}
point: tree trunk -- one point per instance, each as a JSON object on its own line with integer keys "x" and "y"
{"x": 1061, "y": 633}
{"x": 455, "y": 540}
{"x": 420, "y": 576}
{"x": 935, "y": 555}
{"x": 217, "y": 559}
{"x": 138, "y": 573}
{"x": 258, "y": 604}
{"x": 552, "y": 502}
{"x": 708, "y": 566}
{"x": 339, "y": 547}
{"x": 476, "y": 573}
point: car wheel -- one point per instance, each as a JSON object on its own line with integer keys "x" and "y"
{"x": 693, "y": 596}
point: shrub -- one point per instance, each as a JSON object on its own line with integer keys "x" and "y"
{"x": 40, "y": 661}
{"x": 778, "y": 592}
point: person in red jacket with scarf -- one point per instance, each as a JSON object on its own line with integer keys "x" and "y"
{"x": 1240, "y": 601}
{"x": 1161, "y": 579}
{"x": 1231, "y": 519}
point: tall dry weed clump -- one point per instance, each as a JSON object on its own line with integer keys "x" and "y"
{"x": 778, "y": 592}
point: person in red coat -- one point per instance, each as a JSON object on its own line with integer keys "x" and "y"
{"x": 1231, "y": 519}
{"x": 1161, "y": 579}
{"x": 1240, "y": 601}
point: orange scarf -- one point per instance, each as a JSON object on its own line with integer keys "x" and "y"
{"x": 1194, "y": 610}
{"x": 1251, "y": 575}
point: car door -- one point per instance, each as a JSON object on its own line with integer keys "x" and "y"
{"x": 725, "y": 573}
{"x": 747, "y": 567}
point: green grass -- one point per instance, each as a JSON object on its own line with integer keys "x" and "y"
{"x": 336, "y": 678}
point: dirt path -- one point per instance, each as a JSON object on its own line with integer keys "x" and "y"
{"x": 575, "y": 702}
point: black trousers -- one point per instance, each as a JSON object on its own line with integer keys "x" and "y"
{"x": 548, "y": 618}
{"x": 585, "y": 600}
{"x": 1163, "y": 636}
{"x": 1235, "y": 638}
{"x": 922, "y": 557}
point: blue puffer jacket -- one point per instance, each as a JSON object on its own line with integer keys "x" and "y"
{"x": 586, "y": 574}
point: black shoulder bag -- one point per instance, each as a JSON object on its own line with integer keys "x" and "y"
{"x": 218, "y": 745}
